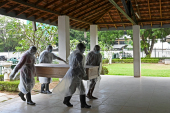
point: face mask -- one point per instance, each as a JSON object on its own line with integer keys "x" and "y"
{"x": 50, "y": 50}
{"x": 97, "y": 52}
{"x": 82, "y": 51}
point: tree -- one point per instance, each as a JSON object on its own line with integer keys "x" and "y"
{"x": 40, "y": 38}
{"x": 106, "y": 41}
{"x": 8, "y": 39}
{"x": 73, "y": 44}
{"x": 149, "y": 38}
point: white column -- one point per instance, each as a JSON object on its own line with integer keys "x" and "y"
{"x": 64, "y": 37}
{"x": 136, "y": 51}
{"x": 93, "y": 36}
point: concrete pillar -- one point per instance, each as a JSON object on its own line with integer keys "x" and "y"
{"x": 64, "y": 37}
{"x": 136, "y": 51}
{"x": 93, "y": 36}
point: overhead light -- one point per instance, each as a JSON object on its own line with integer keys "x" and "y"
{"x": 137, "y": 15}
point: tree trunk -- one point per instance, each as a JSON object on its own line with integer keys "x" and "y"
{"x": 145, "y": 48}
{"x": 152, "y": 44}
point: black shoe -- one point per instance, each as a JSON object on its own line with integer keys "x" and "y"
{"x": 68, "y": 104}
{"x": 83, "y": 102}
{"x": 85, "y": 106}
{"x": 67, "y": 101}
{"x": 47, "y": 88}
{"x": 29, "y": 101}
{"x": 48, "y": 92}
{"x": 22, "y": 96}
{"x": 44, "y": 92}
{"x": 42, "y": 89}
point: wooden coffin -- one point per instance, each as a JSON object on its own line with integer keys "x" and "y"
{"x": 59, "y": 70}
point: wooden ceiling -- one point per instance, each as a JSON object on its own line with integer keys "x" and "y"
{"x": 107, "y": 14}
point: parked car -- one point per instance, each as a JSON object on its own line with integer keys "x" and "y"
{"x": 2, "y": 58}
{"x": 14, "y": 60}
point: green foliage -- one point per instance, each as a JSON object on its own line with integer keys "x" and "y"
{"x": 104, "y": 70}
{"x": 1, "y": 77}
{"x": 8, "y": 36}
{"x": 104, "y": 61}
{"x": 149, "y": 38}
{"x": 44, "y": 36}
{"x": 131, "y": 60}
{"x": 78, "y": 36}
{"x": 73, "y": 44}
{"x": 9, "y": 86}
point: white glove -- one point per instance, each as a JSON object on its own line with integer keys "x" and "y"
{"x": 12, "y": 76}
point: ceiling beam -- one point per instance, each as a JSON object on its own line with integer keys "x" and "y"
{"x": 48, "y": 17}
{"x": 38, "y": 17}
{"x": 80, "y": 7}
{"x": 132, "y": 11}
{"x": 23, "y": 11}
{"x": 137, "y": 8}
{"x": 29, "y": 15}
{"x": 112, "y": 20}
{"x": 120, "y": 17}
{"x": 127, "y": 10}
{"x": 46, "y": 10}
{"x": 51, "y": 3}
{"x": 141, "y": 21}
{"x": 115, "y": 4}
{"x": 12, "y": 8}
{"x": 72, "y": 5}
{"x": 53, "y": 20}
{"x": 38, "y": 1}
{"x": 3, "y": 3}
{"x": 105, "y": 22}
{"x": 60, "y": 5}
{"x": 149, "y": 11}
{"x": 112, "y": 23}
{"x": 98, "y": 7}
{"x": 160, "y": 10}
{"x": 92, "y": 14}
{"x": 98, "y": 18}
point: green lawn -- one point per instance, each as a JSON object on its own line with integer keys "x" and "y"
{"x": 154, "y": 70}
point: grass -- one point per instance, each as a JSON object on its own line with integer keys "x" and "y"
{"x": 53, "y": 80}
{"x": 126, "y": 69}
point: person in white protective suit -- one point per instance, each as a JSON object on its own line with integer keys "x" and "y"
{"x": 47, "y": 56}
{"x": 94, "y": 58}
{"x": 27, "y": 73}
{"x": 72, "y": 81}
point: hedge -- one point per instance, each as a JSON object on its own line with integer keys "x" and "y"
{"x": 104, "y": 70}
{"x": 131, "y": 60}
{"x": 104, "y": 61}
{"x": 9, "y": 86}
{"x": 1, "y": 77}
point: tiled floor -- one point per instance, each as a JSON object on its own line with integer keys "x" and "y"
{"x": 117, "y": 94}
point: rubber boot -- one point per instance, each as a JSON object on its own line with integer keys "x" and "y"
{"x": 22, "y": 96}
{"x": 89, "y": 94}
{"x": 92, "y": 93}
{"x": 67, "y": 101}
{"x": 47, "y": 88}
{"x": 83, "y": 102}
{"x": 29, "y": 101}
{"x": 42, "y": 88}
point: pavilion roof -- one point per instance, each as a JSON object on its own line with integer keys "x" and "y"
{"x": 107, "y": 14}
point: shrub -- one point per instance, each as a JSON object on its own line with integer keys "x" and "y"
{"x": 131, "y": 60}
{"x": 104, "y": 61}
{"x": 104, "y": 70}
{"x": 1, "y": 77}
{"x": 9, "y": 86}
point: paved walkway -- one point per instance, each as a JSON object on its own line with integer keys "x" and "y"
{"x": 117, "y": 94}
{"x": 5, "y": 97}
